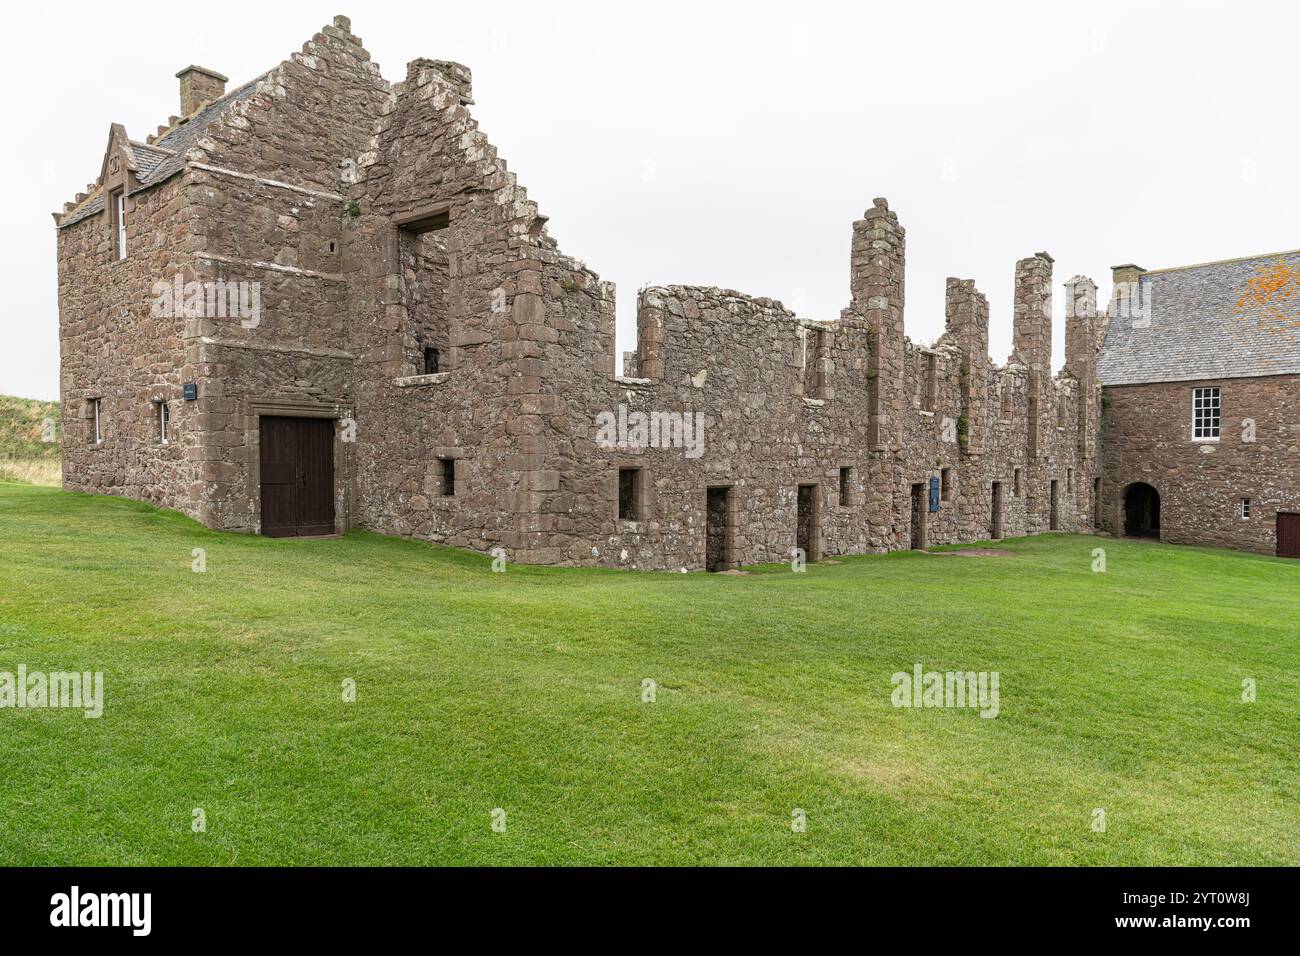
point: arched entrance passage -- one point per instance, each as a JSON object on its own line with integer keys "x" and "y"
{"x": 1141, "y": 511}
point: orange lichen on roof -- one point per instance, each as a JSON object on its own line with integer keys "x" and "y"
{"x": 1270, "y": 290}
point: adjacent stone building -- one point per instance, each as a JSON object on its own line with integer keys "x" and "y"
{"x": 321, "y": 302}
{"x": 1201, "y": 420}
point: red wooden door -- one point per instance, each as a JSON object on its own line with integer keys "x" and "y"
{"x": 1288, "y": 534}
{"x": 297, "y": 472}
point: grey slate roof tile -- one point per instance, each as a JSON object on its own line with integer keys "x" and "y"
{"x": 1206, "y": 322}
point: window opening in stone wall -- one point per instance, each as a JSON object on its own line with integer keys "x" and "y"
{"x": 117, "y": 203}
{"x": 1205, "y": 414}
{"x": 931, "y": 382}
{"x": 448, "y": 467}
{"x": 425, "y": 272}
{"x": 846, "y": 481}
{"x": 629, "y": 494}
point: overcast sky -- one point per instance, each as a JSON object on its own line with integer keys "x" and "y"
{"x": 734, "y": 144}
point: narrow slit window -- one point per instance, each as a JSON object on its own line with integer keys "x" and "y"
{"x": 118, "y": 200}
{"x": 1015, "y": 483}
{"x": 97, "y": 424}
{"x": 629, "y": 493}
{"x": 430, "y": 360}
{"x": 164, "y": 423}
{"x": 448, "y": 466}
{"x": 846, "y": 486}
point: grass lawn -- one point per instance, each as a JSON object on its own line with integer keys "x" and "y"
{"x": 523, "y": 691}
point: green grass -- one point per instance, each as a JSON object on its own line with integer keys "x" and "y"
{"x": 522, "y": 691}
{"x": 25, "y": 453}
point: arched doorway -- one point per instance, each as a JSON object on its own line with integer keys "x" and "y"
{"x": 1141, "y": 511}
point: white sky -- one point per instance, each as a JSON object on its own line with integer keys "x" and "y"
{"x": 734, "y": 144}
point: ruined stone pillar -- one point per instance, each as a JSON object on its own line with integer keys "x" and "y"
{"x": 967, "y": 319}
{"x": 1032, "y": 340}
{"x": 877, "y": 265}
{"x": 1081, "y": 355}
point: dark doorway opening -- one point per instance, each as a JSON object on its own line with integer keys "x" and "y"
{"x": 919, "y": 504}
{"x": 1288, "y": 534}
{"x": 1054, "y": 518}
{"x": 806, "y": 522}
{"x": 996, "y": 530}
{"x": 296, "y": 458}
{"x": 717, "y": 547}
{"x": 1141, "y": 511}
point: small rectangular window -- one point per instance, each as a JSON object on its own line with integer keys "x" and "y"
{"x": 164, "y": 422}
{"x": 1069, "y": 480}
{"x": 629, "y": 493}
{"x": 1205, "y": 414}
{"x": 1245, "y": 507}
{"x": 448, "y": 475}
{"x": 1015, "y": 483}
{"x": 97, "y": 427}
{"x": 846, "y": 483}
{"x": 430, "y": 360}
{"x": 945, "y": 484}
{"x": 118, "y": 207}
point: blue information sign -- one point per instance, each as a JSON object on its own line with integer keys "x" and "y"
{"x": 934, "y": 494}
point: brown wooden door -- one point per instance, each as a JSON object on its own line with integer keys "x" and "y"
{"x": 1288, "y": 534}
{"x": 297, "y": 467}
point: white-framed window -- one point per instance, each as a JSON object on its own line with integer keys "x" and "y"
{"x": 1205, "y": 414}
{"x": 97, "y": 425}
{"x": 119, "y": 221}
{"x": 1245, "y": 508}
{"x": 164, "y": 422}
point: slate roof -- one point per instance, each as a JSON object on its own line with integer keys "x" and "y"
{"x": 154, "y": 165}
{"x": 1234, "y": 319}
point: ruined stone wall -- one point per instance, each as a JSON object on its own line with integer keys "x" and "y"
{"x": 1147, "y": 436}
{"x": 429, "y": 168}
{"x": 789, "y": 402}
{"x": 778, "y": 411}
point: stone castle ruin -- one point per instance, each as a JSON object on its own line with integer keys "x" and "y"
{"x": 424, "y": 361}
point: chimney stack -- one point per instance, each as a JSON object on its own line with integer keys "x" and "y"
{"x": 198, "y": 86}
